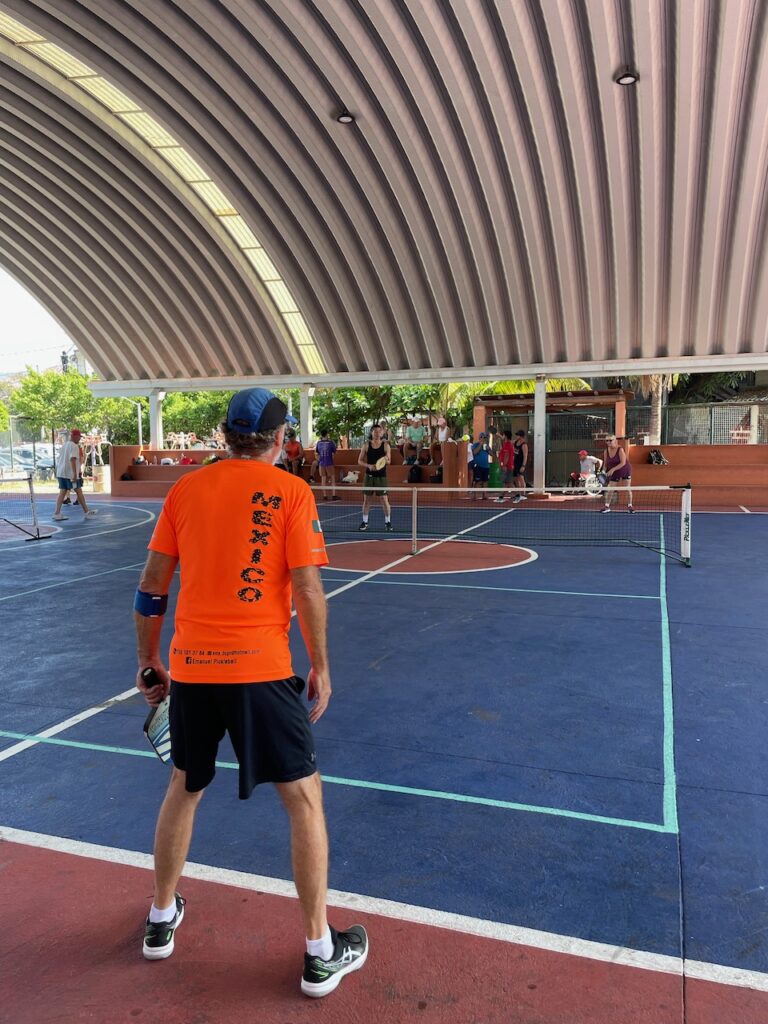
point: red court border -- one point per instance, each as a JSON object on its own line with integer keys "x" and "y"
{"x": 438, "y": 555}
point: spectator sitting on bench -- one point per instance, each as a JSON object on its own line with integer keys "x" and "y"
{"x": 295, "y": 453}
{"x": 414, "y": 441}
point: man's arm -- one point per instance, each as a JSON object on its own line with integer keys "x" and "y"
{"x": 312, "y": 613}
{"x": 362, "y": 459}
{"x": 155, "y": 579}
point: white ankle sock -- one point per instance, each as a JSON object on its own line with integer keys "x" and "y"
{"x": 156, "y": 916}
{"x": 365, "y": 520}
{"x": 321, "y": 947}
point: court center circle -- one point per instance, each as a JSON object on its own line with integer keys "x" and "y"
{"x": 451, "y": 556}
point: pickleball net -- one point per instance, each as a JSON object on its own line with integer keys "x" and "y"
{"x": 660, "y": 522}
{"x": 18, "y": 511}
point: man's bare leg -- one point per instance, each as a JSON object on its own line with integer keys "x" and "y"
{"x": 303, "y": 800}
{"x": 172, "y": 837}
{"x": 81, "y": 499}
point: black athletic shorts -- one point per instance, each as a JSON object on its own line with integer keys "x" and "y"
{"x": 268, "y": 724}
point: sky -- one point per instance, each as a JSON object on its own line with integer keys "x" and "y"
{"x": 28, "y": 334}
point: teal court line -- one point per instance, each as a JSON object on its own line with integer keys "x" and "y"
{"x": 506, "y": 590}
{"x": 509, "y": 805}
{"x": 670, "y": 822}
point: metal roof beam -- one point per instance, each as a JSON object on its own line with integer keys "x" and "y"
{"x": 608, "y": 368}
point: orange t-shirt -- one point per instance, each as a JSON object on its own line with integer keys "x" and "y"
{"x": 292, "y": 449}
{"x": 238, "y": 527}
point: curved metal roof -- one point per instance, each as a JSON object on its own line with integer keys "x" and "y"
{"x": 177, "y": 191}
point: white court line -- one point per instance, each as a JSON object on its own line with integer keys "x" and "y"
{"x": 404, "y": 558}
{"x": 503, "y": 590}
{"x": 532, "y": 556}
{"x": 713, "y": 512}
{"x": 69, "y": 580}
{"x": 89, "y": 533}
{"x": 570, "y": 945}
{"x": 61, "y": 726}
{"x": 25, "y": 744}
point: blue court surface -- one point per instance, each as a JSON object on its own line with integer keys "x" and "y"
{"x": 574, "y": 745}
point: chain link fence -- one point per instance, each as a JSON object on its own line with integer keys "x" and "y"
{"x": 722, "y": 423}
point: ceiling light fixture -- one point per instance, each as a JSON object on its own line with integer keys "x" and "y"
{"x": 627, "y": 76}
{"x": 344, "y": 117}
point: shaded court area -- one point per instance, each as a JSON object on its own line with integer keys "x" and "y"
{"x": 542, "y": 782}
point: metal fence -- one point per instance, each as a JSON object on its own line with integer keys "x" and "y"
{"x": 721, "y": 423}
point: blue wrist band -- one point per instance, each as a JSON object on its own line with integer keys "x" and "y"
{"x": 151, "y": 606}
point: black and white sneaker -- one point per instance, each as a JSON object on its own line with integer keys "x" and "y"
{"x": 605, "y": 508}
{"x": 388, "y": 527}
{"x": 630, "y": 509}
{"x": 158, "y": 938}
{"x": 350, "y": 950}
{"x": 362, "y": 527}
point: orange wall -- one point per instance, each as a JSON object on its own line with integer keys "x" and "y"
{"x": 154, "y": 481}
{"x": 720, "y": 474}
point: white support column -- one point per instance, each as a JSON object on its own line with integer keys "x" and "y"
{"x": 540, "y": 432}
{"x": 305, "y": 416}
{"x": 754, "y": 420}
{"x": 156, "y": 439}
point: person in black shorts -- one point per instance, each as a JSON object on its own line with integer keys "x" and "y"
{"x": 520, "y": 460}
{"x": 249, "y": 542}
{"x": 375, "y": 482}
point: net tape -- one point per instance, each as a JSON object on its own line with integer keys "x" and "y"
{"x": 565, "y": 516}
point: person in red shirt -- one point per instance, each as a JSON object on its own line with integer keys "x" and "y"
{"x": 507, "y": 465}
{"x": 249, "y": 543}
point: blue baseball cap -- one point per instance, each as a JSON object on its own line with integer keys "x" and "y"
{"x": 256, "y": 411}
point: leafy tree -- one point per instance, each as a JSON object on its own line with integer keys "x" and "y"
{"x": 343, "y": 412}
{"x": 707, "y": 387}
{"x": 52, "y": 400}
{"x": 292, "y": 398}
{"x": 197, "y": 411}
{"x": 457, "y": 400}
{"x": 118, "y": 416}
{"x": 4, "y": 416}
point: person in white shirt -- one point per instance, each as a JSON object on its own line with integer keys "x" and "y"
{"x": 70, "y": 477}
{"x": 588, "y": 464}
{"x": 442, "y": 436}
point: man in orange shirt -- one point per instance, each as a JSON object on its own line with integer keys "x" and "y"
{"x": 249, "y": 542}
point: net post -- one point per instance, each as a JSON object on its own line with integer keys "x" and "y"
{"x": 685, "y": 526}
{"x": 414, "y": 521}
{"x": 33, "y": 503}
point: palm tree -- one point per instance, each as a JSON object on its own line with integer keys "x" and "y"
{"x": 461, "y": 396}
{"x": 653, "y": 387}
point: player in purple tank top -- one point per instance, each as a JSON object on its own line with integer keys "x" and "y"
{"x": 325, "y": 449}
{"x": 619, "y": 473}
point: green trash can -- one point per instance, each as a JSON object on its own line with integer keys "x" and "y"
{"x": 494, "y": 475}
